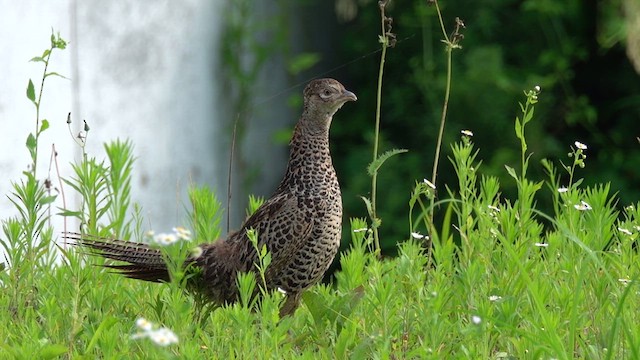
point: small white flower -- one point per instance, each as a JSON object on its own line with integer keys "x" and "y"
{"x": 476, "y": 319}
{"x": 282, "y": 291}
{"x": 563, "y": 189}
{"x": 467, "y": 133}
{"x": 537, "y": 88}
{"x": 580, "y": 145}
{"x": 541, "y": 244}
{"x": 163, "y": 337}
{"x": 636, "y": 227}
{"x": 534, "y": 97}
{"x": 144, "y": 324}
{"x": 625, "y": 231}
{"x": 182, "y": 233}
{"x": 150, "y": 233}
{"x": 360, "y": 230}
{"x": 625, "y": 281}
{"x": 165, "y": 239}
{"x": 583, "y": 206}
{"x": 494, "y": 208}
{"x": 495, "y": 297}
{"x": 429, "y": 184}
{"x": 417, "y": 235}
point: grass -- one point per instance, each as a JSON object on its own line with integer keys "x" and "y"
{"x": 499, "y": 279}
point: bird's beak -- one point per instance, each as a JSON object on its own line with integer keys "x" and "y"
{"x": 349, "y": 96}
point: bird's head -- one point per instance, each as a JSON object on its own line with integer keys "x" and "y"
{"x": 322, "y": 98}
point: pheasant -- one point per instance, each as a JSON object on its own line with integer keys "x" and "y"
{"x": 300, "y": 224}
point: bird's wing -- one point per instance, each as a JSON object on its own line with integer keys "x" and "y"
{"x": 283, "y": 224}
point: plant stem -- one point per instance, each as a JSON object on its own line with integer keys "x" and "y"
{"x": 445, "y": 106}
{"x": 37, "y": 132}
{"x": 374, "y": 176}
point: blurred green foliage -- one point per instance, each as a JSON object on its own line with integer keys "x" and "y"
{"x": 574, "y": 50}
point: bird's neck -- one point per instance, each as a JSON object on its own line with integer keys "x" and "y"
{"x": 309, "y": 155}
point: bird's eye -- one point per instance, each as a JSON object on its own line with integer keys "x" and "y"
{"x": 326, "y": 93}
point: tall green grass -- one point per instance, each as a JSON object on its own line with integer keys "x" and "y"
{"x": 497, "y": 278}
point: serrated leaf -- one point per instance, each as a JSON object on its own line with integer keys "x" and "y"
{"x": 375, "y": 165}
{"x": 511, "y": 171}
{"x": 45, "y": 125}
{"x": 31, "y": 91}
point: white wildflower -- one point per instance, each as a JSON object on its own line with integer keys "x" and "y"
{"x": 625, "y": 231}
{"x": 165, "y": 239}
{"x": 494, "y": 208}
{"x": 537, "y": 88}
{"x": 467, "y": 133}
{"x": 625, "y": 281}
{"x": 182, "y": 233}
{"x": 541, "y": 244}
{"x": 583, "y": 206}
{"x": 144, "y": 324}
{"x": 282, "y": 291}
{"x": 563, "y": 189}
{"x": 495, "y": 297}
{"x": 417, "y": 235}
{"x": 163, "y": 336}
{"x": 476, "y": 319}
{"x": 580, "y": 145}
{"x": 429, "y": 184}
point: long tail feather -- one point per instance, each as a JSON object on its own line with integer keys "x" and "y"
{"x": 143, "y": 262}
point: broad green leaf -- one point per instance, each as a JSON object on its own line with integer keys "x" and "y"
{"x": 37, "y": 59}
{"x": 45, "y": 125}
{"x": 31, "y": 91}
{"x": 31, "y": 142}
{"x": 529, "y": 115}
{"x": 518, "y": 128}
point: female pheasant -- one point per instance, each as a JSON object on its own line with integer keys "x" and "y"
{"x": 300, "y": 224}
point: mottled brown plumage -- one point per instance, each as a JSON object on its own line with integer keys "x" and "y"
{"x": 300, "y": 224}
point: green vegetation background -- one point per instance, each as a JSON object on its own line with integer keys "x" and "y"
{"x": 575, "y": 50}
